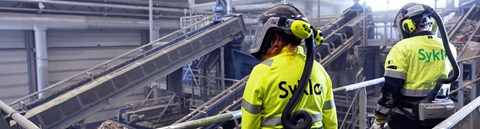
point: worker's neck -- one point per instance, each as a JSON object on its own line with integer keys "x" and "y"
{"x": 421, "y": 30}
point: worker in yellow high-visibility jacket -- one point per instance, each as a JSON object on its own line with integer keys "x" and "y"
{"x": 272, "y": 82}
{"x": 411, "y": 69}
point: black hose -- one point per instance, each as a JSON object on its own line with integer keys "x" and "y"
{"x": 452, "y": 60}
{"x": 301, "y": 119}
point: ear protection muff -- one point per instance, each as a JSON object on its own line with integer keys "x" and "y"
{"x": 318, "y": 37}
{"x": 408, "y": 26}
{"x": 303, "y": 30}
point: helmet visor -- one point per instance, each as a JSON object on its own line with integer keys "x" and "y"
{"x": 262, "y": 31}
{"x": 257, "y": 39}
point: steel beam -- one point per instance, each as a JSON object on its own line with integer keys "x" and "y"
{"x": 17, "y": 21}
{"x": 119, "y": 6}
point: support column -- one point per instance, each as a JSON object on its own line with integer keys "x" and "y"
{"x": 203, "y": 83}
{"x": 41, "y": 58}
{"x": 174, "y": 81}
{"x": 362, "y": 117}
{"x": 30, "y": 49}
{"x": 229, "y": 7}
{"x": 150, "y": 19}
{"x": 174, "y": 84}
{"x": 222, "y": 67}
{"x": 460, "y": 94}
{"x": 473, "y": 77}
{"x": 370, "y": 61}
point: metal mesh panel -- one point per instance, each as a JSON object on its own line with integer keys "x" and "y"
{"x": 71, "y": 106}
{"x": 149, "y": 67}
{"x": 162, "y": 61}
{"x": 51, "y": 115}
{"x": 196, "y": 45}
{"x": 135, "y": 74}
{"x": 104, "y": 89}
{"x": 185, "y": 50}
{"x": 87, "y": 97}
{"x": 120, "y": 81}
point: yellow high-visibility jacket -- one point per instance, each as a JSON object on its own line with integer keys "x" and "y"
{"x": 417, "y": 62}
{"x": 271, "y": 85}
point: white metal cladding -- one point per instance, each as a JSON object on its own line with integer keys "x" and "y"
{"x": 72, "y": 51}
{"x": 13, "y": 65}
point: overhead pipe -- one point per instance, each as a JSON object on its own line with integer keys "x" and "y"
{"x": 249, "y": 22}
{"x": 142, "y": 2}
{"x": 91, "y": 4}
{"x": 41, "y": 57}
{"x": 16, "y": 21}
{"x": 20, "y": 119}
{"x": 209, "y": 6}
{"x": 64, "y": 12}
{"x": 253, "y": 8}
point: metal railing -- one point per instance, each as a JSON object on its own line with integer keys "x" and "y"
{"x": 112, "y": 65}
{"x": 237, "y": 114}
{"x": 17, "y": 117}
{"x": 472, "y": 107}
{"x": 206, "y": 121}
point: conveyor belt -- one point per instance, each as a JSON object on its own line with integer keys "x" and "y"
{"x": 75, "y": 102}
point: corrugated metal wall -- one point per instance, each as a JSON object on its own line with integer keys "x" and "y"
{"x": 69, "y": 52}
{"x": 72, "y": 51}
{"x": 13, "y": 65}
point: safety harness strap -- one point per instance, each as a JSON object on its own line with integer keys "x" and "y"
{"x": 276, "y": 121}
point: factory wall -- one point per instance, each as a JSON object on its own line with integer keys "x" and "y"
{"x": 69, "y": 52}
{"x": 13, "y": 65}
{"x": 73, "y": 51}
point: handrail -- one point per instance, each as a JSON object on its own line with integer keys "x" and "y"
{"x": 214, "y": 99}
{"x": 466, "y": 84}
{"x": 238, "y": 114}
{"x": 21, "y": 120}
{"x": 459, "y": 115}
{"x": 359, "y": 85}
{"x": 206, "y": 121}
{"x": 106, "y": 63}
{"x": 348, "y": 110}
{"x": 469, "y": 58}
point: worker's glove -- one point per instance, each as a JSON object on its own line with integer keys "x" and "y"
{"x": 379, "y": 121}
{"x": 377, "y": 125}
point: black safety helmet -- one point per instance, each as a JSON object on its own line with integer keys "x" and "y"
{"x": 276, "y": 20}
{"x": 410, "y": 17}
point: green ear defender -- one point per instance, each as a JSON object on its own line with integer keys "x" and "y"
{"x": 301, "y": 29}
{"x": 408, "y": 25}
{"x": 319, "y": 37}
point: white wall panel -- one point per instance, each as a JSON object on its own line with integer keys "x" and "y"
{"x": 64, "y": 62}
{"x": 72, "y": 51}
{"x": 84, "y": 38}
{"x": 13, "y": 65}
